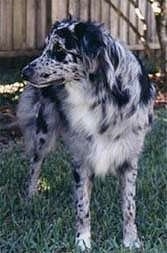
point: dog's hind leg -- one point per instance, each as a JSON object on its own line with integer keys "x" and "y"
{"x": 39, "y": 122}
{"x": 128, "y": 185}
{"x": 44, "y": 136}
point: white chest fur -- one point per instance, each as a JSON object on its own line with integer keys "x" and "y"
{"x": 107, "y": 152}
{"x": 80, "y": 115}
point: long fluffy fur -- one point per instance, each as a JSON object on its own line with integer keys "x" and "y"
{"x": 93, "y": 92}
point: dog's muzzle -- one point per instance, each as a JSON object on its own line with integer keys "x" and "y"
{"x": 28, "y": 73}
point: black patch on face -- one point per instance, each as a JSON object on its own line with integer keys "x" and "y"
{"x": 120, "y": 97}
{"x": 70, "y": 42}
{"x": 41, "y": 123}
{"x": 60, "y": 56}
{"x": 76, "y": 176}
{"x": 58, "y": 53}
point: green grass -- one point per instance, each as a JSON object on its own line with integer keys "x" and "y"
{"x": 46, "y": 224}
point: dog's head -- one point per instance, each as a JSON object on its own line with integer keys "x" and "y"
{"x": 71, "y": 53}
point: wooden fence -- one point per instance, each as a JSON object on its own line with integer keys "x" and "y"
{"x": 24, "y": 23}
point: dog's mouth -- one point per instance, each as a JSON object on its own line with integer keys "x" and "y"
{"x": 42, "y": 85}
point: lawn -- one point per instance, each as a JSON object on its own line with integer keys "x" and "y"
{"x": 46, "y": 224}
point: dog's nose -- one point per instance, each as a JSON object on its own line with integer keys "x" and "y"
{"x": 27, "y": 72}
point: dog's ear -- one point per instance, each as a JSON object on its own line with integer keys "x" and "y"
{"x": 90, "y": 38}
{"x": 95, "y": 52}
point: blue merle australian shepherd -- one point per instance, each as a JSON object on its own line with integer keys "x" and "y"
{"x": 92, "y": 91}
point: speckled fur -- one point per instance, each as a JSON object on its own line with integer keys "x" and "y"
{"x": 93, "y": 92}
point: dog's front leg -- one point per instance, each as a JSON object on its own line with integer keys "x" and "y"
{"x": 83, "y": 186}
{"x": 128, "y": 185}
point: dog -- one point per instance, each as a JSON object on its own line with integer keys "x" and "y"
{"x": 93, "y": 92}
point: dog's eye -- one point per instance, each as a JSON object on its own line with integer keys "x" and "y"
{"x": 58, "y": 48}
{"x": 58, "y": 52}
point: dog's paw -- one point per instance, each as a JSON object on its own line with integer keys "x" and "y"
{"x": 83, "y": 242}
{"x": 132, "y": 244}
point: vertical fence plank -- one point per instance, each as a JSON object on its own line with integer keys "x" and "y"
{"x": 40, "y": 22}
{"x": 123, "y": 23}
{"x": 105, "y": 13}
{"x": 2, "y": 30}
{"x": 58, "y": 9}
{"x": 6, "y": 24}
{"x": 48, "y": 15}
{"x": 95, "y": 10}
{"x": 141, "y": 23}
{"x": 30, "y": 24}
{"x": 132, "y": 18}
{"x": 114, "y": 19}
{"x": 148, "y": 18}
{"x": 153, "y": 33}
{"x": 84, "y": 9}
{"x": 19, "y": 34}
{"x": 74, "y": 8}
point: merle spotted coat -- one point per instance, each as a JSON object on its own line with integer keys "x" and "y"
{"x": 92, "y": 91}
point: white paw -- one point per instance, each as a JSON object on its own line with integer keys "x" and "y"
{"x": 132, "y": 244}
{"x": 83, "y": 242}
